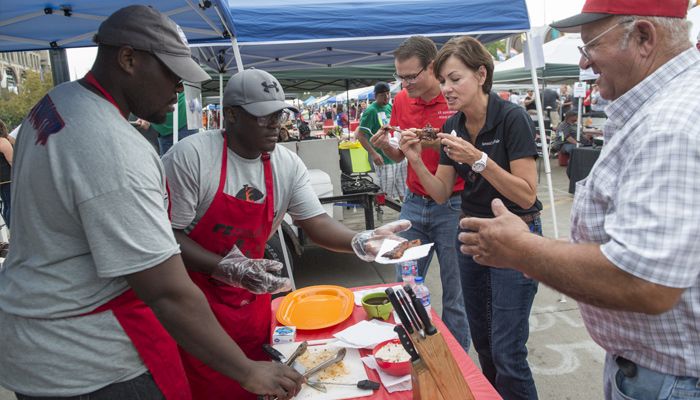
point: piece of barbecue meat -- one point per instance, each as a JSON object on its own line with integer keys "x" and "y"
{"x": 428, "y": 133}
{"x": 397, "y": 252}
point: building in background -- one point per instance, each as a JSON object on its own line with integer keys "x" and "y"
{"x": 14, "y": 66}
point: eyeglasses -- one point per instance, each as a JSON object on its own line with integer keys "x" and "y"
{"x": 278, "y": 118}
{"x": 408, "y": 79}
{"x": 584, "y": 50}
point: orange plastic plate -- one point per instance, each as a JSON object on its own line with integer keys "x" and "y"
{"x": 316, "y": 307}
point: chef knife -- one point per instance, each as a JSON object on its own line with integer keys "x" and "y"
{"x": 406, "y": 342}
{"x": 399, "y": 310}
{"x": 422, "y": 313}
{"x": 403, "y": 298}
{"x": 274, "y": 354}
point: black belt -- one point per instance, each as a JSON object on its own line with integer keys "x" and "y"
{"x": 426, "y": 197}
{"x": 527, "y": 218}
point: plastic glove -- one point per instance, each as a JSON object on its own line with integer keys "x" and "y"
{"x": 366, "y": 244}
{"x": 254, "y": 275}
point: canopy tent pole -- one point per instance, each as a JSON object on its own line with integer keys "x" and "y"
{"x": 221, "y": 100}
{"x": 578, "y": 120}
{"x": 347, "y": 101}
{"x": 543, "y": 136}
{"x": 237, "y": 53}
{"x": 176, "y": 123}
{"x": 543, "y": 140}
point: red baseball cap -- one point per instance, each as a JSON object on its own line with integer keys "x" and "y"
{"x": 594, "y": 10}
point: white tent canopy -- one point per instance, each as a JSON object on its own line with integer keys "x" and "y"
{"x": 561, "y": 50}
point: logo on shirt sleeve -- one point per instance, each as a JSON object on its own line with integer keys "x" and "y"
{"x": 45, "y": 120}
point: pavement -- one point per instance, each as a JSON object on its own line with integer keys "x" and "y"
{"x": 566, "y": 363}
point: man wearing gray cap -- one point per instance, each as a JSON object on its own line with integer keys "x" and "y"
{"x": 635, "y": 221}
{"x": 94, "y": 268}
{"x": 228, "y": 192}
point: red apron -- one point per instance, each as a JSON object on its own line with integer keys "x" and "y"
{"x": 244, "y": 316}
{"x": 154, "y": 344}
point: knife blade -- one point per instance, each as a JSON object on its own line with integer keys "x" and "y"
{"x": 406, "y": 342}
{"x": 403, "y": 298}
{"x": 422, "y": 313}
{"x": 399, "y": 310}
{"x": 274, "y": 354}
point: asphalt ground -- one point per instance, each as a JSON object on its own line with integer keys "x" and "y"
{"x": 566, "y": 363}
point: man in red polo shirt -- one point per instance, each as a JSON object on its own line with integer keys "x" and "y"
{"x": 420, "y": 103}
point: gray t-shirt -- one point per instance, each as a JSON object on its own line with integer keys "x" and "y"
{"x": 89, "y": 195}
{"x": 193, "y": 168}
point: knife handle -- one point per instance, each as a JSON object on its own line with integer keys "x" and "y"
{"x": 422, "y": 313}
{"x": 274, "y": 354}
{"x": 406, "y": 342}
{"x": 399, "y": 310}
{"x": 403, "y": 298}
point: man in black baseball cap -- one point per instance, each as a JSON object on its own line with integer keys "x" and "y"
{"x": 94, "y": 289}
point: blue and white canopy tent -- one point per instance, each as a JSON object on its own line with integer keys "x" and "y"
{"x": 280, "y": 34}
{"x": 55, "y": 25}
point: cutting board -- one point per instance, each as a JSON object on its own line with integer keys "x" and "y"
{"x": 353, "y": 365}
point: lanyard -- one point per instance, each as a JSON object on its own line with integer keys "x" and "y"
{"x": 90, "y": 78}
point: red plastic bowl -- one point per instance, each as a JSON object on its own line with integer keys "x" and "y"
{"x": 392, "y": 368}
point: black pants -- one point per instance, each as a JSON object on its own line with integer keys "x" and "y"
{"x": 142, "y": 387}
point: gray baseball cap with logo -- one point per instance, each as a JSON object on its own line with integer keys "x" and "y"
{"x": 146, "y": 29}
{"x": 257, "y": 91}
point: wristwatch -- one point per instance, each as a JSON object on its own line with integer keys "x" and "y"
{"x": 480, "y": 164}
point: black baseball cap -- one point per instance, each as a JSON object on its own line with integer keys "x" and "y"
{"x": 382, "y": 87}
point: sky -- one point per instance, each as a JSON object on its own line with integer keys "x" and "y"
{"x": 541, "y": 12}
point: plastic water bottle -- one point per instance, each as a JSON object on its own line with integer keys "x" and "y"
{"x": 422, "y": 293}
{"x": 409, "y": 270}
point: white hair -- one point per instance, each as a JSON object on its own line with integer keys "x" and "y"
{"x": 676, "y": 30}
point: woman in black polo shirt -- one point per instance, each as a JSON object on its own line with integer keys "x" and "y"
{"x": 490, "y": 144}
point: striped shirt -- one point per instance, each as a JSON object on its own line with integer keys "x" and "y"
{"x": 641, "y": 202}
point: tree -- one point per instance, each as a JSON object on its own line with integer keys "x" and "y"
{"x": 494, "y": 46}
{"x": 14, "y": 107}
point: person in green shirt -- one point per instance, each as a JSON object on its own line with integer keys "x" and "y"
{"x": 392, "y": 175}
{"x": 165, "y": 130}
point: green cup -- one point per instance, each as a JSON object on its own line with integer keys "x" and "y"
{"x": 377, "y": 305}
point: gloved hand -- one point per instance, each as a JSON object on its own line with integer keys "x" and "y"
{"x": 254, "y": 275}
{"x": 366, "y": 244}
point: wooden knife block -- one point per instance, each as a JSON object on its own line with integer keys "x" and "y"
{"x": 445, "y": 380}
{"x": 424, "y": 386}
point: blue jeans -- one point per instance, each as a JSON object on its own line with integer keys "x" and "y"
{"x": 498, "y": 303}
{"x": 437, "y": 223}
{"x": 647, "y": 384}
{"x": 142, "y": 387}
{"x": 166, "y": 142}
{"x": 6, "y": 204}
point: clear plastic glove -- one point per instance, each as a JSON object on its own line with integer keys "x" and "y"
{"x": 366, "y": 244}
{"x": 255, "y": 275}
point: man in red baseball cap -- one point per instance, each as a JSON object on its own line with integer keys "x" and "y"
{"x": 632, "y": 263}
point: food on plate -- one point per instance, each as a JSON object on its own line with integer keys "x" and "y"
{"x": 397, "y": 252}
{"x": 314, "y": 357}
{"x": 392, "y": 352}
